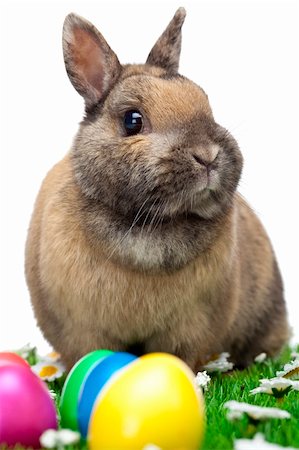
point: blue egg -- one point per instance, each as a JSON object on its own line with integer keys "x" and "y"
{"x": 94, "y": 381}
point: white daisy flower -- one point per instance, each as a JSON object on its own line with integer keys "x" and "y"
{"x": 277, "y": 386}
{"x": 260, "y": 358}
{"x": 219, "y": 364}
{"x": 52, "y": 356}
{"x": 257, "y": 443}
{"x": 59, "y": 438}
{"x": 48, "y": 371}
{"x": 290, "y": 370}
{"x": 202, "y": 380}
{"x": 237, "y": 409}
{"x": 295, "y": 355}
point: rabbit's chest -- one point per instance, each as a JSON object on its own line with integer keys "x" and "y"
{"x": 123, "y": 305}
{"x": 93, "y": 293}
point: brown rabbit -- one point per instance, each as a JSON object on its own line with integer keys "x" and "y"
{"x": 139, "y": 240}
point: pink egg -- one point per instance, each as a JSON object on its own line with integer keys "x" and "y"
{"x": 27, "y": 409}
{"x": 7, "y": 358}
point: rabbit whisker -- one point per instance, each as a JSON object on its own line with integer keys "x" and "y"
{"x": 160, "y": 217}
{"x": 153, "y": 218}
{"x": 136, "y": 218}
{"x": 148, "y": 214}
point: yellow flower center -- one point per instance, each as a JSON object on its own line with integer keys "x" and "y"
{"x": 48, "y": 371}
{"x": 292, "y": 373}
{"x": 53, "y": 355}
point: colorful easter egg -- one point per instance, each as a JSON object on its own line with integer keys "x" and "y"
{"x": 27, "y": 409}
{"x": 8, "y": 358}
{"x": 70, "y": 393}
{"x": 95, "y": 381}
{"x": 152, "y": 400}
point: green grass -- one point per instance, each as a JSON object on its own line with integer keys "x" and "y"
{"x": 220, "y": 432}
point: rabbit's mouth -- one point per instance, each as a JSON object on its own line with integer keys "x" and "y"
{"x": 179, "y": 208}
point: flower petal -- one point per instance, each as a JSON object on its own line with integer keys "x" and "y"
{"x": 67, "y": 437}
{"x": 255, "y": 412}
{"x": 260, "y": 358}
{"x": 257, "y": 443}
{"x": 202, "y": 380}
{"x": 48, "y": 439}
{"x": 220, "y": 364}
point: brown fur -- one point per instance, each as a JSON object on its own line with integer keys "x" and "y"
{"x": 127, "y": 248}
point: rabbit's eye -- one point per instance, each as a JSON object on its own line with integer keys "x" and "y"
{"x": 133, "y": 122}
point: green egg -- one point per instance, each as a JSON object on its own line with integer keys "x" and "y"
{"x": 71, "y": 389}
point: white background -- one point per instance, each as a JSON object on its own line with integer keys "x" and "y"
{"x": 243, "y": 53}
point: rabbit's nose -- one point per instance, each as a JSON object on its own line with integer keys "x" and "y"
{"x": 206, "y": 157}
{"x": 202, "y": 162}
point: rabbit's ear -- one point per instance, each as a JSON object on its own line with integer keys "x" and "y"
{"x": 167, "y": 49}
{"x": 90, "y": 63}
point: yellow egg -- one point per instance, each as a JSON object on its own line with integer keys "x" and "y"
{"x": 151, "y": 401}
